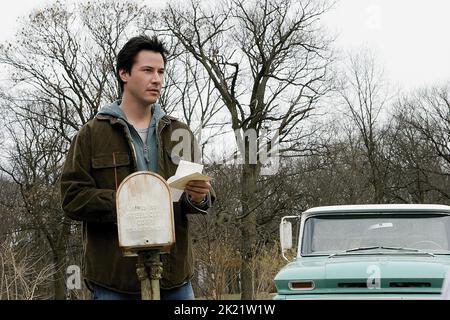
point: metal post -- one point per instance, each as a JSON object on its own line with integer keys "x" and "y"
{"x": 149, "y": 270}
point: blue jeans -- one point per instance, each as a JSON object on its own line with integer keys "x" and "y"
{"x": 185, "y": 292}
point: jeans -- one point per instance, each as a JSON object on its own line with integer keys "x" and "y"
{"x": 185, "y": 292}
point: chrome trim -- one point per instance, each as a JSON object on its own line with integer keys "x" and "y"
{"x": 300, "y": 234}
{"x": 378, "y": 208}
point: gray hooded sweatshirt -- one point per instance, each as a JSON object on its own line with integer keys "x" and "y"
{"x": 146, "y": 153}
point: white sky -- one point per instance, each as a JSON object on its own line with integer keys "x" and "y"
{"x": 410, "y": 37}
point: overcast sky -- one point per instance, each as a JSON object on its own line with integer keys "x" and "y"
{"x": 410, "y": 37}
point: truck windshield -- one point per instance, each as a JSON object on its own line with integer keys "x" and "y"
{"x": 331, "y": 234}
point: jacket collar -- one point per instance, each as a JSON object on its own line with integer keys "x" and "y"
{"x": 167, "y": 119}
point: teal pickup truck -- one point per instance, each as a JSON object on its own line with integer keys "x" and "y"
{"x": 367, "y": 252}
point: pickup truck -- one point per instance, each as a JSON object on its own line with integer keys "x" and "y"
{"x": 397, "y": 251}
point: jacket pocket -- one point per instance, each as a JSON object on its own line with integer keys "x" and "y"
{"x": 110, "y": 160}
{"x": 108, "y": 170}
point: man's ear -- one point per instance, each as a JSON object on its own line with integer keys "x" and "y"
{"x": 123, "y": 75}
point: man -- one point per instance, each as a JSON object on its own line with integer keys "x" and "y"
{"x": 131, "y": 134}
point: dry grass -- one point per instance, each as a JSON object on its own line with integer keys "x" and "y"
{"x": 265, "y": 266}
{"x": 21, "y": 273}
{"x": 221, "y": 265}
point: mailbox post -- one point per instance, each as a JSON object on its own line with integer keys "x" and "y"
{"x": 145, "y": 224}
{"x": 149, "y": 264}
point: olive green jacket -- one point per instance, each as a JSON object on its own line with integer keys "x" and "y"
{"x": 100, "y": 156}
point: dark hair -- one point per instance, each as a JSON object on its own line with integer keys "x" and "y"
{"x": 128, "y": 53}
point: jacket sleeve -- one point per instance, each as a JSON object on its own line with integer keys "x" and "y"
{"x": 187, "y": 205}
{"x": 80, "y": 198}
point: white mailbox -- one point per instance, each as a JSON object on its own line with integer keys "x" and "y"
{"x": 144, "y": 213}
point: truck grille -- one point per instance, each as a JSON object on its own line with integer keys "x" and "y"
{"x": 391, "y": 285}
{"x": 410, "y": 285}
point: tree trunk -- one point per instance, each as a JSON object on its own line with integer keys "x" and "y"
{"x": 248, "y": 228}
{"x": 378, "y": 189}
{"x": 60, "y": 253}
{"x": 376, "y": 177}
{"x": 420, "y": 190}
{"x": 59, "y": 277}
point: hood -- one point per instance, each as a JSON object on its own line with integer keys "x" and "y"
{"x": 366, "y": 274}
{"x": 114, "y": 110}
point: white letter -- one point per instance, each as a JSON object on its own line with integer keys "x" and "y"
{"x": 251, "y": 135}
{"x": 183, "y": 148}
{"x": 374, "y": 17}
{"x": 374, "y": 279}
{"x": 74, "y": 279}
{"x": 269, "y": 165}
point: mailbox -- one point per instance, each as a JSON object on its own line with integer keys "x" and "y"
{"x": 144, "y": 213}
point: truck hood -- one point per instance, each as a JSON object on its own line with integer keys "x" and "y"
{"x": 372, "y": 274}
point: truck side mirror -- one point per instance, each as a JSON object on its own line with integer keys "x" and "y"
{"x": 286, "y": 235}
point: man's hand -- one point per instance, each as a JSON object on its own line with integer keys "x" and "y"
{"x": 197, "y": 189}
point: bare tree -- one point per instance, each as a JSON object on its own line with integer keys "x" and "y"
{"x": 34, "y": 163}
{"x": 364, "y": 95}
{"x": 432, "y": 119}
{"x": 189, "y": 93}
{"x": 62, "y": 70}
{"x": 425, "y": 119}
{"x": 62, "y": 61}
{"x": 22, "y": 271}
{"x": 217, "y": 260}
{"x": 268, "y": 62}
{"x": 61, "y": 66}
{"x": 413, "y": 165}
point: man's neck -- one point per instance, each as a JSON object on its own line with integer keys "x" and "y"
{"x": 137, "y": 113}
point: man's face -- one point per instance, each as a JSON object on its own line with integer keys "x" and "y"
{"x": 145, "y": 80}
